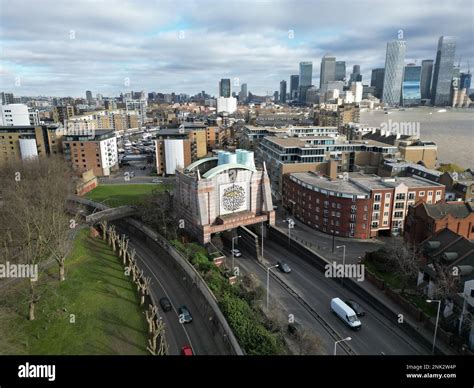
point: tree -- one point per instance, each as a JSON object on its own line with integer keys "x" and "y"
{"x": 405, "y": 260}
{"x": 33, "y": 221}
{"x": 157, "y": 211}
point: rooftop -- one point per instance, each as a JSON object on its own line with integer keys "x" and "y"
{"x": 455, "y": 209}
{"x": 374, "y": 182}
{"x": 325, "y": 183}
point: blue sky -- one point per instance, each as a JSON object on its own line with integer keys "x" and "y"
{"x": 66, "y": 47}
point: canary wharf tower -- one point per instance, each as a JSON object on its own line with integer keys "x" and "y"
{"x": 394, "y": 65}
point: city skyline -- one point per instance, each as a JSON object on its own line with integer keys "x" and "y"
{"x": 185, "y": 48}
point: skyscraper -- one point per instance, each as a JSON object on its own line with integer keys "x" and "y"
{"x": 465, "y": 82}
{"x": 426, "y": 73}
{"x": 243, "y": 94}
{"x": 411, "y": 94}
{"x": 294, "y": 83}
{"x": 355, "y": 75}
{"x": 443, "y": 71}
{"x": 377, "y": 81}
{"x": 340, "y": 70}
{"x": 89, "y": 96}
{"x": 306, "y": 79}
{"x": 328, "y": 69}
{"x": 283, "y": 91}
{"x": 224, "y": 87}
{"x": 394, "y": 64}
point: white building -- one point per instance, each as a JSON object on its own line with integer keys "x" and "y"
{"x": 14, "y": 114}
{"x": 34, "y": 116}
{"x": 226, "y": 104}
{"x": 357, "y": 89}
{"x": 139, "y": 106}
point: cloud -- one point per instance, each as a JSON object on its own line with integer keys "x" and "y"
{"x": 64, "y": 48}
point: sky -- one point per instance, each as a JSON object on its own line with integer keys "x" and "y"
{"x": 63, "y": 48}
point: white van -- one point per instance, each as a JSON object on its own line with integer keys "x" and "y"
{"x": 344, "y": 312}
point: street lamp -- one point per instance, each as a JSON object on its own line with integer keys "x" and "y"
{"x": 291, "y": 225}
{"x": 268, "y": 281}
{"x": 343, "y": 260}
{"x": 335, "y": 343}
{"x": 437, "y": 319}
{"x": 233, "y": 253}
{"x": 262, "y": 240}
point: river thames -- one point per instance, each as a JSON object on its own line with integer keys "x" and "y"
{"x": 452, "y": 131}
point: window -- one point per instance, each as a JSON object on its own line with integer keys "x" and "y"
{"x": 334, "y": 205}
{"x": 399, "y": 205}
{"x": 385, "y": 222}
{"x": 326, "y": 203}
{"x": 385, "y": 214}
{"x": 400, "y": 196}
{"x": 438, "y": 193}
{"x": 430, "y": 193}
{"x": 375, "y": 225}
{"x": 387, "y": 205}
{"x": 366, "y": 208}
{"x": 363, "y": 226}
{"x": 339, "y": 205}
{"x": 376, "y": 206}
{"x": 317, "y": 200}
{"x": 421, "y": 193}
{"x": 333, "y": 213}
{"x": 377, "y": 197}
{"x": 411, "y": 195}
{"x": 387, "y": 195}
{"x": 398, "y": 215}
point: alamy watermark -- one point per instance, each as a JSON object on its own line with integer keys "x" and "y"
{"x": 351, "y": 271}
{"x": 11, "y": 270}
{"x": 401, "y": 127}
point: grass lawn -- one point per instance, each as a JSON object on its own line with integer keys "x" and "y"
{"x": 108, "y": 319}
{"x": 428, "y": 308}
{"x": 119, "y": 195}
{"x": 388, "y": 277}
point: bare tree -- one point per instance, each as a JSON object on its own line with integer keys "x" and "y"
{"x": 405, "y": 261}
{"x": 447, "y": 280}
{"x": 34, "y": 195}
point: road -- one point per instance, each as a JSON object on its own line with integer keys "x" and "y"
{"x": 377, "y": 336}
{"x": 355, "y": 248}
{"x": 197, "y": 334}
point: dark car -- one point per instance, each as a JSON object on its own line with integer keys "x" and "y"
{"x": 184, "y": 315}
{"x": 166, "y": 304}
{"x": 294, "y": 328}
{"x": 283, "y": 267}
{"x": 356, "y": 307}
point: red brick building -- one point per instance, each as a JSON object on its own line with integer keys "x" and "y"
{"x": 360, "y": 206}
{"x": 424, "y": 220}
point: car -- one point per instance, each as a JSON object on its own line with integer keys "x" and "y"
{"x": 356, "y": 307}
{"x": 165, "y": 304}
{"x": 235, "y": 252}
{"x": 156, "y": 181}
{"x": 143, "y": 168}
{"x": 294, "y": 328}
{"x": 186, "y": 350}
{"x": 283, "y": 267}
{"x": 184, "y": 315}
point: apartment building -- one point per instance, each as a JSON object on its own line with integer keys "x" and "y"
{"x": 96, "y": 151}
{"x": 357, "y": 205}
{"x": 28, "y": 141}
{"x": 326, "y": 154}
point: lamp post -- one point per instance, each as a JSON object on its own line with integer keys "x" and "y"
{"x": 291, "y": 225}
{"x": 262, "y": 240}
{"x": 437, "y": 319}
{"x": 335, "y": 343}
{"x": 233, "y": 253}
{"x": 343, "y": 260}
{"x": 268, "y": 281}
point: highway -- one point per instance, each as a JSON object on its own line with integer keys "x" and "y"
{"x": 378, "y": 336}
{"x": 164, "y": 282}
